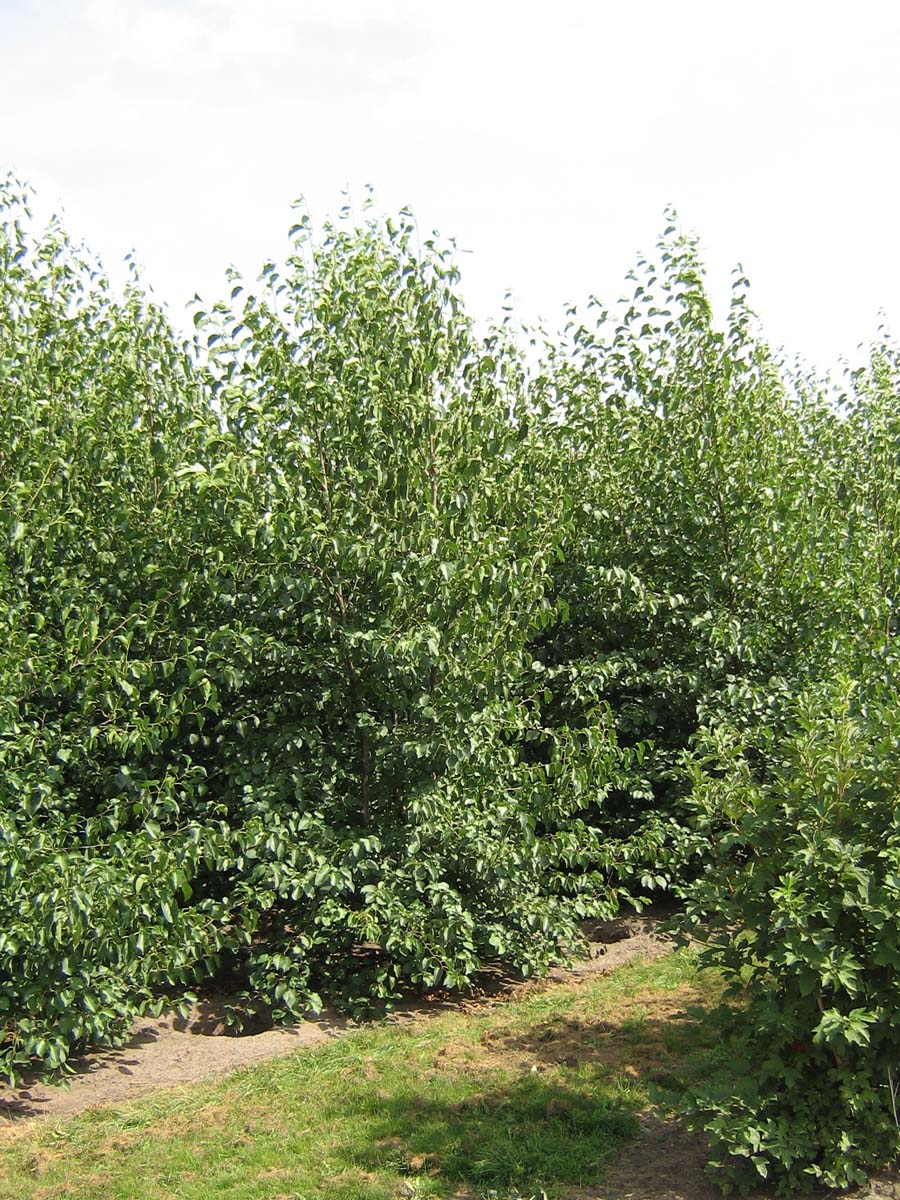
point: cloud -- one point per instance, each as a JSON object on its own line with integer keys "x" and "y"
{"x": 546, "y": 140}
{"x": 357, "y": 47}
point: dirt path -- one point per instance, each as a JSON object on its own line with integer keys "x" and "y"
{"x": 168, "y": 1051}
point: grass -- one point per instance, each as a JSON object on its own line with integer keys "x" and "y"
{"x": 535, "y": 1093}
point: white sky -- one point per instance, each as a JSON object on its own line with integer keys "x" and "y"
{"x": 547, "y": 138}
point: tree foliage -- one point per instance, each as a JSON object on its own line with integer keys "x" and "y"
{"x": 799, "y": 907}
{"x": 347, "y": 649}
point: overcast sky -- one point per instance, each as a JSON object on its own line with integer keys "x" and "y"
{"x": 547, "y": 138}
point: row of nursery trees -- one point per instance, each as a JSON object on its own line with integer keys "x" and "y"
{"x": 348, "y": 649}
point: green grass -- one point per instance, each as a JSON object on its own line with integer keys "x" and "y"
{"x": 534, "y": 1093}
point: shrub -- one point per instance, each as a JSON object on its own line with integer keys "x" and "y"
{"x": 801, "y": 915}
{"x": 700, "y": 571}
{"x": 798, "y": 810}
{"x": 98, "y": 701}
{"x": 265, "y": 679}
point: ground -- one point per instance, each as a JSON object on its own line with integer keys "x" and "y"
{"x": 663, "y": 1163}
{"x": 168, "y": 1051}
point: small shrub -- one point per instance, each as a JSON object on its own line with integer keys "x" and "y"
{"x": 802, "y": 914}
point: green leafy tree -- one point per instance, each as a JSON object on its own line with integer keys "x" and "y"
{"x": 799, "y": 908}
{"x": 97, "y": 694}
{"x": 266, "y": 676}
{"x": 394, "y": 567}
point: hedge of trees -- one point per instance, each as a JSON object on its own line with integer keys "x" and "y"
{"x": 348, "y": 649}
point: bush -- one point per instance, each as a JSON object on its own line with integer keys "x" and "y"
{"x": 801, "y": 915}
{"x": 798, "y": 811}
{"x": 265, "y": 674}
{"x": 700, "y": 571}
{"x": 99, "y": 641}
{"x": 342, "y": 651}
